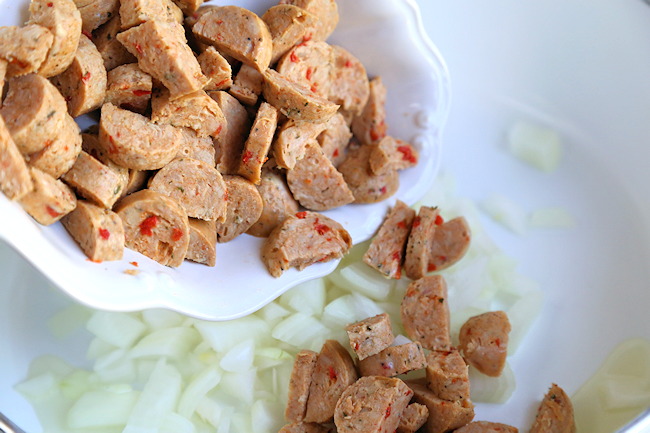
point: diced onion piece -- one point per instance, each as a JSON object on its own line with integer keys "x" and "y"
{"x": 264, "y": 416}
{"x": 625, "y": 392}
{"x": 223, "y": 335}
{"x": 157, "y": 318}
{"x": 507, "y": 213}
{"x": 301, "y": 331}
{"x": 240, "y": 386}
{"x": 76, "y": 383}
{"x": 487, "y": 389}
{"x": 349, "y": 309}
{"x": 172, "y": 343}
{"x": 267, "y": 357}
{"x": 272, "y": 313}
{"x": 118, "y": 329}
{"x": 239, "y": 358}
{"x": 307, "y": 297}
{"x": 553, "y": 217}
{"x": 102, "y": 408}
{"x": 536, "y": 145}
{"x": 98, "y": 347}
{"x": 174, "y": 423}
{"x": 203, "y": 383}
{"x": 521, "y": 315}
{"x": 210, "y": 410}
{"x": 361, "y": 278}
{"x": 39, "y": 387}
{"x": 71, "y": 318}
{"x": 115, "y": 366}
{"x": 49, "y": 364}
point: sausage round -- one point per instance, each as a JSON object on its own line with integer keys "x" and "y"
{"x": 555, "y": 414}
{"x": 327, "y": 13}
{"x": 447, "y": 375}
{"x": 483, "y": 341}
{"x": 196, "y": 111}
{"x": 365, "y": 186}
{"x": 129, "y": 87}
{"x": 299, "y": 383}
{"x": 229, "y": 143}
{"x": 288, "y": 25}
{"x": 370, "y": 336}
{"x": 258, "y": 143}
{"x": 203, "y": 242}
{"x": 60, "y": 154}
{"x": 335, "y": 138}
{"x": 444, "y": 415}
{"x": 94, "y": 13}
{"x": 291, "y": 141}
{"x": 370, "y": 125}
{"x": 24, "y": 48}
{"x": 112, "y": 50}
{"x": 15, "y": 180}
{"x": 352, "y": 89}
{"x": 243, "y": 210}
{"x": 50, "y": 199}
{"x": 423, "y": 228}
{"x": 216, "y": 68}
{"x": 394, "y": 360}
{"x": 450, "y": 242}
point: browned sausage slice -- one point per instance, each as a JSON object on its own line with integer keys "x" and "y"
{"x": 24, "y": 48}
{"x": 394, "y": 360}
{"x": 419, "y": 242}
{"x": 229, "y": 144}
{"x": 33, "y": 110}
{"x": 193, "y": 146}
{"x": 483, "y": 341}
{"x": 278, "y": 203}
{"x": 325, "y": 10}
{"x": 487, "y": 427}
{"x": 83, "y": 84}
{"x": 289, "y": 25}
{"x": 95, "y": 181}
{"x": 155, "y": 226}
{"x": 447, "y": 375}
{"x": 162, "y": 52}
{"x": 335, "y": 138}
{"x": 555, "y": 414}
{"x": 203, "y": 242}
{"x": 291, "y": 141}
{"x": 392, "y": 154}
{"x": 444, "y": 416}
{"x": 370, "y": 126}
{"x": 136, "y": 12}
{"x": 386, "y": 250}
{"x": 367, "y": 187}
{"x": 195, "y": 185}
{"x": 333, "y": 373}
{"x": 15, "y": 180}
{"x": 129, "y": 87}
{"x": 236, "y": 32}
{"x": 352, "y": 89}
{"x": 413, "y": 418}
{"x": 133, "y": 141}
{"x": 60, "y": 154}
{"x": 258, "y": 143}
{"x": 247, "y": 86}
{"x": 299, "y": 383}
{"x": 244, "y": 208}
{"x": 94, "y": 13}
{"x": 196, "y": 111}
{"x": 315, "y": 183}
{"x": 294, "y": 100}
{"x": 372, "y": 405}
{"x": 216, "y": 68}
{"x": 450, "y": 242}
{"x": 50, "y": 199}
{"x": 302, "y": 240}
{"x": 425, "y": 312}
{"x": 98, "y": 231}
{"x": 112, "y": 50}
{"x": 370, "y": 336}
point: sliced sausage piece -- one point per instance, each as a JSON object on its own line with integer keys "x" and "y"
{"x": 425, "y": 313}
{"x": 294, "y": 100}
{"x": 50, "y": 199}
{"x": 335, "y": 138}
{"x": 133, "y": 141}
{"x": 60, "y": 154}
{"x": 370, "y": 336}
{"x": 94, "y": 13}
{"x": 155, "y": 226}
{"x": 290, "y": 144}
{"x": 386, "y": 250}
{"x": 244, "y": 208}
{"x": 370, "y": 125}
{"x": 98, "y": 231}
{"x": 90, "y": 144}
{"x": 195, "y": 185}
{"x": 289, "y": 25}
{"x": 236, "y": 32}
{"x": 229, "y": 144}
{"x": 216, "y": 68}
{"x": 352, "y": 88}
{"x": 299, "y": 383}
{"x": 192, "y": 18}
{"x": 488, "y": 427}
{"x": 413, "y": 418}
{"x": 83, "y": 84}
{"x": 163, "y": 53}
{"x": 555, "y": 414}
{"x": 196, "y": 111}
{"x": 278, "y": 203}
{"x": 302, "y": 240}
{"x": 392, "y": 154}
{"x": 112, "y": 50}
{"x": 325, "y": 10}
{"x": 419, "y": 242}
{"x": 33, "y": 110}
{"x": 129, "y": 88}
{"x": 136, "y": 12}
{"x": 450, "y": 242}
{"x": 95, "y": 181}
{"x": 315, "y": 182}
{"x": 258, "y": 143}
{"x": 444, "y": 415}
{"x": 203, "y": 242}
{"x": 394, "y": 360}
{"x": 447, "y": 375}
{"x": 188, "y": 6}
{"x": 304, "y": 427}
{"x": 247, "y": 86}
{"x": 138, "y": 180}
{"x": 193, "y": 146}
{"x": 333, "y": 373}
{"x": 483, "y": 341}
{"x": 367, "y": 187}
{"x": 15, "y": 180}
{"x": 372, "y": 405}
{"x": 24, "y": 48}
{"x": 311, "y": 65}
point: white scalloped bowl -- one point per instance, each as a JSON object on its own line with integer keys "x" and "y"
{"x": 387, "y": 37}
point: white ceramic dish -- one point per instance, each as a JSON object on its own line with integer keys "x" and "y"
{"x": 387, "y": 38}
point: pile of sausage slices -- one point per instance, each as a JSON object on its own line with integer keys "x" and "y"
{"x": 213, "y": 122}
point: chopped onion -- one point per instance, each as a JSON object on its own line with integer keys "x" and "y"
{"x": 72, "y": 318}
{"x": 361, "y": 278}
{"x": 506, "y": 212}
{"x": 102, "y": 408}
{"x": 625, "y": 392}
{"x": 239, "y": 358}
{"x": 486, "y": 389}
{"x": 539, "y": 146}
{"x": 223, "y": 335}
{"x": 118, "y": 329}
{"x": 301, "y": 331}
{"x": 174, "y": 423}
{"x": 308, "y": 297}
{"x": 170, "y": 343}
{"x": 194, "y": 391}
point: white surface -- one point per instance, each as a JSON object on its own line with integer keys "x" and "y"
{"x": 385, "y": 37}
{"x": 580, "y": 67}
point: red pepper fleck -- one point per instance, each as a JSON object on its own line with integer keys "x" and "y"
{"x": 331, "y": 372}
{"x": 314, "y": 88}
{"x": 309, "y": 73}
{"x": 439, "y": 220}
{"x": 48, "y": 143}
{"x": 87, "y": 34}
{"x": 301, "y": 215}
{"x": 407, "y": 154}
{"x": 140, "y": 92}
{"x": 293, "y": 57}
{"x": 348, "y": 63}
{"x": 148, "y": 224}
{"x": 94, "y": 261}
{"x": 112, "y": 148}
{"x": 86, "y": 77}
{"x": 307, "y": 38}
{"x": 408, "y": 392}
{"x": 220, "y": 22}
{"x": 336, "y": 153}
{"x": 356, "y": 346}
{"x": 416, "y": 222}
{"x": 104, "y": 234}
{"x": 396, "y": 256}
{"x": 398, "y": 273}
{"x": 177, "y": 234}
{"x": 50, "y": 4}
{"x": 134, "y": 264}
{"x": 382, "y": 190}
{"x": 431, "y": 267}
{"x": 52, "y": 212}
{"x": 442, "y": 258}
{"x": 388, "y": 411}
{"x": 321, "y": 228}
{"x": 402, "y": 224}
{"x": 498, "y": 342}
{"x": 222, "y": 82}
{"x": 138, "y": 48}
{"x": 248, "y": 155}
{"x": 218, "y": 131}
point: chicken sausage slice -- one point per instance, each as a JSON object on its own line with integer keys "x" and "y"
{"x": 444, "y": 416}
{"x": 94, "y": 13}
{"x": 229, "y": 144}
{"x": 15, "y": 180}
{"x": 258, "y": 143}
{"x": 136, "y": 12}
{"x": 196, "y": 111}
{"x": 216, "y": 68}
{"x": 24, "y": 48}
{"x": 487, "y": 427}
{"x": 112, "y": 50}
{"x": 370, "y": 125}
{"x": 418, "y": 247}
{"x": 203, "y": 242}
{"x": 193, "y": 146}
{"x": 335, "y": 138}
{"x": 327, "y": 13}
{"x": 370, "y": 336}
{"x": 129, "y": 87}
{"x": 247, "y": 85}
{"x": 394, "y": 360}
{"x": 483, "y": 341}
{"x": 50, "y": 200}
{"x": 61, "y": 152}
{"x": 352, "y": 88}
{"x": 413, "y": 418}
{"x": 367, "y": 187}
{"x": 555, "y": 414}
{"x": 243, "y": 210}
{"x": 392, "y": 154}
{"x": 299, "y": 383}
{"x": 291, "y": 142}
{"x": 447, "y": 375}
{"x": 450, "y": 242}
{"x": 289, "y": 25}
{"x": 311, "y": 65}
